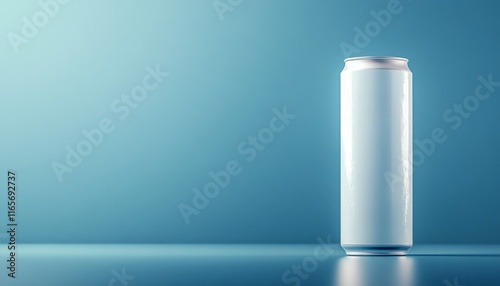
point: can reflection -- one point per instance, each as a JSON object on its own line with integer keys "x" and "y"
{"x": 372, "y": 270}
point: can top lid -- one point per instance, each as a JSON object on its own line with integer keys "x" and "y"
{"x": 376, "y": 58}
{"x": 376, "y": 62}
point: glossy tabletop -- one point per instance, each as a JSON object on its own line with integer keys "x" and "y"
{"x": 327, "y": 264}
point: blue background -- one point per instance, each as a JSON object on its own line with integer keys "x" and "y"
{"x": 226, "y": 77}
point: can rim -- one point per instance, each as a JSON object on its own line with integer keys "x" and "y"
{"x": 377, "y": 58}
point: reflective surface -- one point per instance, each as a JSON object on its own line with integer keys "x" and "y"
{"x": 249, "y": 265}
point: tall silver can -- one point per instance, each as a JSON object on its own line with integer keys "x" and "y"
{"x": 376, "y": 156}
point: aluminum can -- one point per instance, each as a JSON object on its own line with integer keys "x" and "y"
{"x": 376, "y": 156}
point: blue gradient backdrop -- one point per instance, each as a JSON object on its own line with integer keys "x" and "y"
{"x": 226, "y": 77}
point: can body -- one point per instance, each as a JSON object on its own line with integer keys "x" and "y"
{"x": 376, "y": 156}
